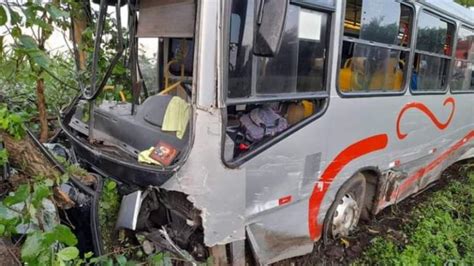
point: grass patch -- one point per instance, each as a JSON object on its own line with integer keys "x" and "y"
{"x": 109, "y": 205}
{"x": 441, "y": 230}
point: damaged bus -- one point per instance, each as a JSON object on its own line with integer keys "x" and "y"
{"x": 275, "y": 124}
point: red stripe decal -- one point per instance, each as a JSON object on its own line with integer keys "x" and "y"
{"x": 428, "y": 112}
{"x": 423, "y": 171}
{"x": 354, "y": 151}
{"x": 284, "y": 200}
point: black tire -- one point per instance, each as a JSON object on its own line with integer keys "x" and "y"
{"x": 356, "y": 187}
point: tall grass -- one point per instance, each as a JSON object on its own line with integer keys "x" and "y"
{"x": 441, "y": 230}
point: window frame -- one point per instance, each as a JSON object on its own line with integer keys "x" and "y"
{"x": 407, "y": 74}
{"x": 316, "y": 7}
{"x": 440, "y": 16}
{"x": 321, "y": 94}
{"x": 454, "y": 59}
{"x": 324, "y": 94}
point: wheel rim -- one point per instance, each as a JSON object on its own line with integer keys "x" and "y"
{"x": 346, "y": 216}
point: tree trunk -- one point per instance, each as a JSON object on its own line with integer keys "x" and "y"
{"x": 80, "y": 23}
{"x": 24, "y": 155}
{"x": 42, "y": 111}
{"x": 79, "y": 26}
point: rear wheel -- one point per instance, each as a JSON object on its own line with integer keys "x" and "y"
{"x": 343, "y": 215}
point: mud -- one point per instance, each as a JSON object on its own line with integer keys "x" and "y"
{"x": 387, "y": 224}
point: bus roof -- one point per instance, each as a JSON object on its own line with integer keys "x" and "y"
{"x": 452, "y": 8}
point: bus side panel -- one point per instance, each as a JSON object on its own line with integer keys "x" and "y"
{"x": 418, "y": 149}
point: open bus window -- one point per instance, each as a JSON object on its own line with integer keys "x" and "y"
{"x": 375, "y": 49}
{"x": 251, "y": 125}
{"x": 462, "y": 78}
{"x": 433, "y": 53}
{"x": 267, "y": 96}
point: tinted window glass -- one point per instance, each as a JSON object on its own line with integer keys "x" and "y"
{"x": 298, "y": 65}
{"x": 465, "y": 44}
{"x": 462, "y": 77}
{"x": 380, "y": 21}
{"x": 278, "y": 74}
{"x": 434, "y": 34}
{"x": 429, "y": 73}
{"x": 373, "y": 69}
{"x": 240, "y": 49}
{"x": 352, "y": 18}
{"x": 182, "y": 49}
{"x": 311, "y": 51}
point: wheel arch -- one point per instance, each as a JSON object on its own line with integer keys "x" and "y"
{"x": 373, "y": 182}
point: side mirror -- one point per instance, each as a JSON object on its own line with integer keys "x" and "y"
{"x": 270, "y": 23}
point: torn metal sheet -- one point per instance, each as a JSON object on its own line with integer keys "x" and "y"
{"x": 212, "y": 187}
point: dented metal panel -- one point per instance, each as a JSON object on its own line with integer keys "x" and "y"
{"x": 214, "y": 189}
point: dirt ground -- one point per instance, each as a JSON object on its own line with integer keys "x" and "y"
{"x": 388, "y": 224}
{"x": 9, "y": 253}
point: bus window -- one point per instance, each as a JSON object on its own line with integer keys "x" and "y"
{"x": 433, "y": 54}
{"x": 297, "y": 67}
{"x": 299, "y": 64}
{"x": 268, "y": 95}
{"x": 375, "y": 47}
{"x": 462, "y": 77}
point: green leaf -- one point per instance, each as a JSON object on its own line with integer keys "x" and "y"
{"x": 2, "y": 229}
{"x": 20, "y": 195}
{"x": 15, "y": 118}
{"x": 69, "y": 253}
{"x": 40, "y": 192}
{"x": 3, "y": 16}
{"x": 7, "y": 214}
{"x": 3, "y": 156}
{"x": 111, "y": 185}
{"x": 62, "y": 234}
{"x": 16, "y": 32}
{"x": 55, "y": 12}
{"x": 14, "y": 16}
{"x": 88, "y": 255}
{"x": 40, "y": 58}
{"x": 109, "y": 262}
{"x": 121, "y": 260}
{"x": 48, "y": 182}
{"x": 28, "y": 42}
{"x": 33, "y": 246}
